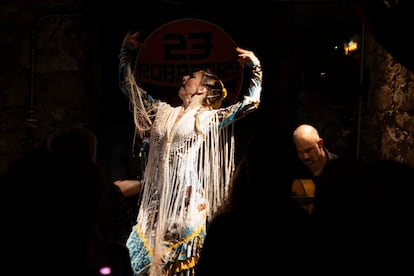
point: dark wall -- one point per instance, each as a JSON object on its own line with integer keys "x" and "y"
{"x": 61, "y": 64}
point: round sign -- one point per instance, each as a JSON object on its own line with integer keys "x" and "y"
{"x": 183, "y": 46}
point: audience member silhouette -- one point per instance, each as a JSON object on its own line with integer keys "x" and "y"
{"x": 362, "y": 215}
{"x": 55, "y": 226}
{"x": 126, "y": 169}
{"x": 59, "y": 215}
{"x": 79, "y": 144}
{"x": 260, "y": 231}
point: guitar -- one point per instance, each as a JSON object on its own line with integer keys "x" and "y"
{"x": 303, "y": 192}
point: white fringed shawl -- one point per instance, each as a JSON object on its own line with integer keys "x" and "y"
{"x": 187, "y": 176}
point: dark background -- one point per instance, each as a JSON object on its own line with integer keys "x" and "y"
{"x": 60, "y": 67}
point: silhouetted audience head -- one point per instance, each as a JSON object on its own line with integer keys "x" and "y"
{"x": 364, "y": 193}
{"x": 56, "y": 213}
{"x": 79, "y": 144}
{"x": 363, "y": 213}
{"x": 73, "y": 143}
{"x": 63, "y": 211}
{"x": 264, "y": 175}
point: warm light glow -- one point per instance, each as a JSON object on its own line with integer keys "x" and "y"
{"x": 352, "y": 45}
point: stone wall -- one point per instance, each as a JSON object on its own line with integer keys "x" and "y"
{"x": 387, "y": 130}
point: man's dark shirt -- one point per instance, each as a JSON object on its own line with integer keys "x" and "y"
{"x": 303, "y": 172}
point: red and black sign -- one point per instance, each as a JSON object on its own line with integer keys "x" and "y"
{"x": 183, "y": 46}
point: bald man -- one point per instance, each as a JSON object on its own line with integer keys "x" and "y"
{"x": 311, "y": 151}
